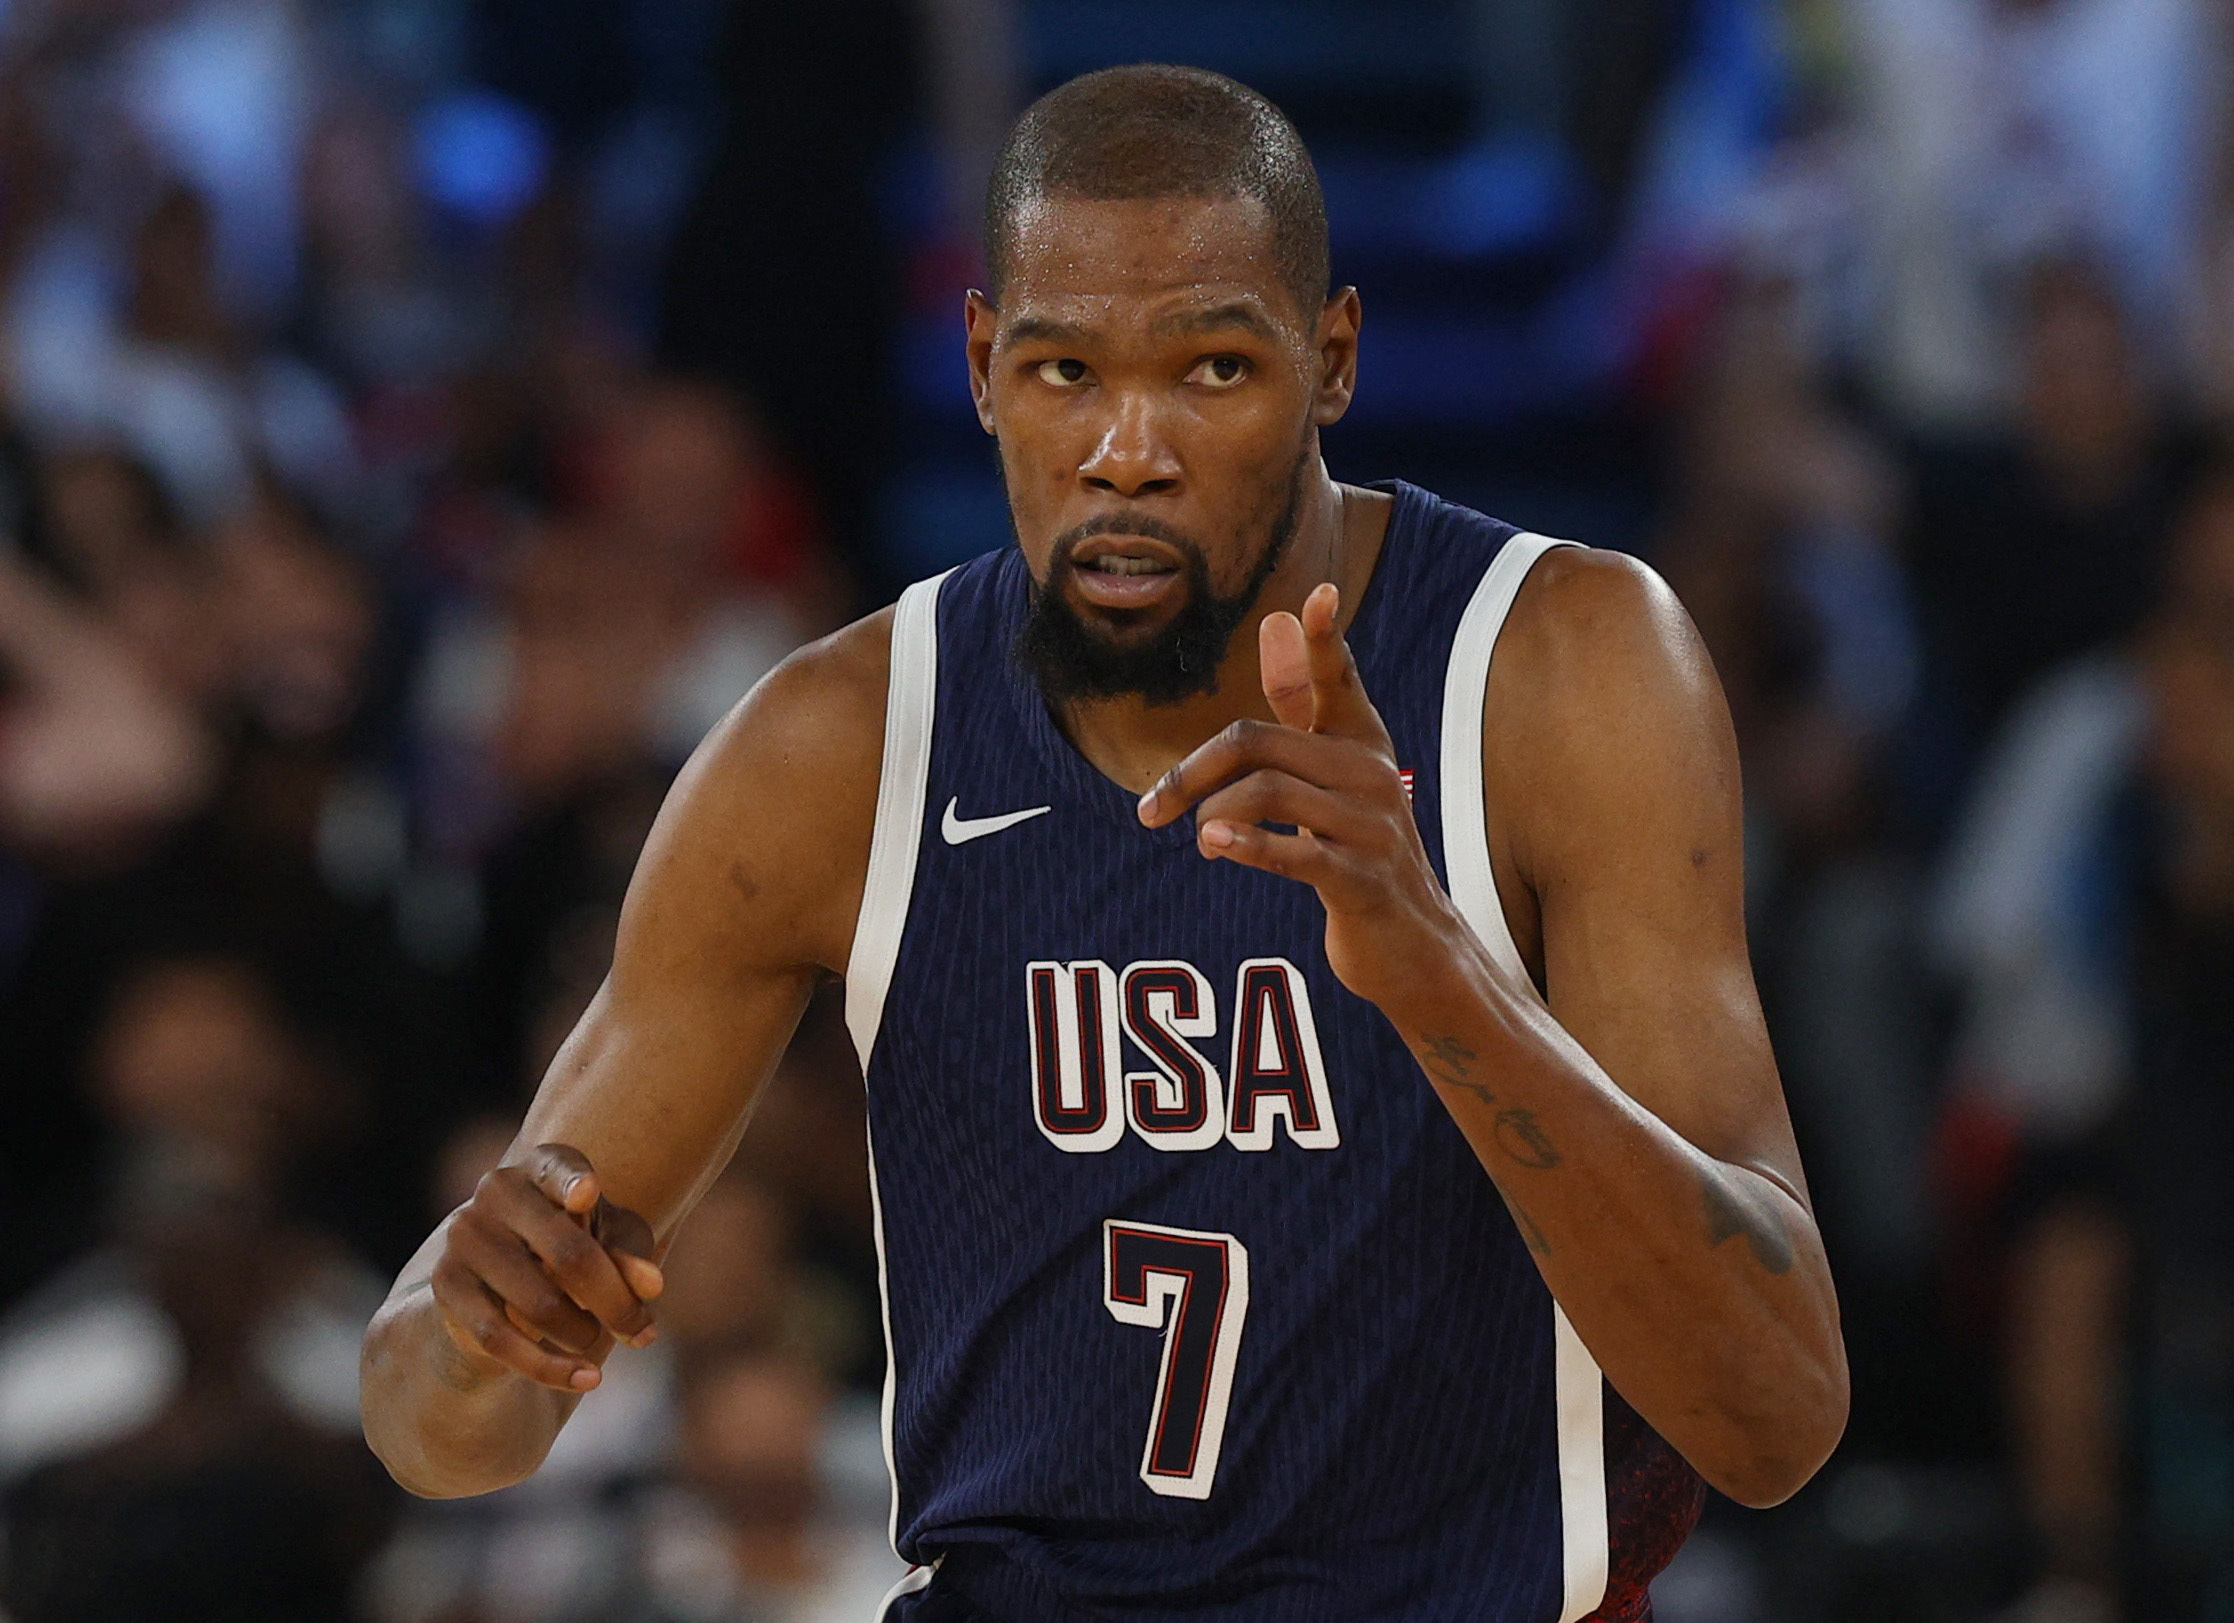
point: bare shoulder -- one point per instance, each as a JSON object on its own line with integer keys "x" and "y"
{"x": 819, "y": 714}
{"x": 1590, "y": 621}
{"x": 1604, "y": 708}
{"x": 763, "y": 844}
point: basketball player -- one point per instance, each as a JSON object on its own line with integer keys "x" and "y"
{"x": 1328, "y": 1160}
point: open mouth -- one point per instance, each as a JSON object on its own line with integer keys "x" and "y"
{"x": 1125, "y": 553}
{"x": 1122, "y": 572}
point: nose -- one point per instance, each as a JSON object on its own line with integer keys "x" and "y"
{"x": 1132, "y": 457}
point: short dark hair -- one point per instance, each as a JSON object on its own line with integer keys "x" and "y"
{"x": 1152, "y": 130}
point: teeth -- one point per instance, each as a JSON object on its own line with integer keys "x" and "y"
{"x": 1111, "y": 563}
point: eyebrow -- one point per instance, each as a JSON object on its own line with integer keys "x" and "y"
{"x": 1231, "y": 317}
{"x": 1040, "y": 330}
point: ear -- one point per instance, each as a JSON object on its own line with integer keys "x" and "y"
{"x": 1337, "y": 351}
{"x": 979, "y": 318}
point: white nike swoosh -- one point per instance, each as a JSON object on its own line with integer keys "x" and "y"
{"x": 960, "y": 829}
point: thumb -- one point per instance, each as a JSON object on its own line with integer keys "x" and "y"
{"x": 566, "y": 1178}
{"x": 629, "y": 1241}
{"x": 1284, "y": 668}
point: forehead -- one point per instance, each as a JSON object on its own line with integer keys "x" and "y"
{"x": 1082, "y": 260}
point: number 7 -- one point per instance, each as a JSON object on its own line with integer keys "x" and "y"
{"x": 1195, "y": 1288}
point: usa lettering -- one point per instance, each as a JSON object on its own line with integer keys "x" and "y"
{"x": 1085, "y": 1099}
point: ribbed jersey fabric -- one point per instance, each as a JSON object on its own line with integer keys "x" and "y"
{"x": 1197, "y": 1300}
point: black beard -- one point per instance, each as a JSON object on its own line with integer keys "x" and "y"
{"x": 1070, "y": 660}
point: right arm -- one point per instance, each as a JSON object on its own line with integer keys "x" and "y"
{"x": 745, "y": 895}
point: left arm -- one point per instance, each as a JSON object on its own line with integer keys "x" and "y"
{"x": 1635, "y": 1126}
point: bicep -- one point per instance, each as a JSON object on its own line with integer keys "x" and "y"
{"x": 1630, "y": 836}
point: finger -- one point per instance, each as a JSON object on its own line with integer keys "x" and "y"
{"x": 1267, "y": 796}
{"x": 1284, "y": 669}
{"x": 575, "y": 1261}
{"x": 1338, "y": 702}
{"x": 601, "y": 1341}
{"x": 479, "y": 1326}
{"x": 565, "y": 1177}
{"x": 1247, "y": 746}
{"x": 502, "y": 1264}
{"x": 1300, "y": 857}
{"x": 587, "y": 1273}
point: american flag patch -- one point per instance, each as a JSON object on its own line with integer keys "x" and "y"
{"x": 1405, "y": 777}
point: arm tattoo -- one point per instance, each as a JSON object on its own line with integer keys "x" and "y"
{"x": 1445, "y": 1060}
{"x": 1521, "y": 1136}
{"x": 1729, "y": 1214}
{"x": 1530, "y": 1234}
{"x": 1446, "y": 1056}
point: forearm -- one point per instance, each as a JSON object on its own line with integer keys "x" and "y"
{"x": 1700, "y": 1287}
{"x": 444, "y": 1424}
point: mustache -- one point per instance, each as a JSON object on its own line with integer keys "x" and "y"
{"x": 1140, "y": 524}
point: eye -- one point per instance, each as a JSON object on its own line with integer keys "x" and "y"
{"x": 1062, "y": 374}
{"x": 1219, "y": 372}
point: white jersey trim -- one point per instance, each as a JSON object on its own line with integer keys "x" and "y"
{"x": 911, "y": 701}
{"x": 910, "y": 704}
{"x": 917, "y": 1580}
{"x": 1578, "y": 1384}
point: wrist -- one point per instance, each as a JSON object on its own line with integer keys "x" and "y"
{"x": 1444, "y": 970}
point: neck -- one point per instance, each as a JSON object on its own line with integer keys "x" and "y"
{"x": 1338, "y": 535}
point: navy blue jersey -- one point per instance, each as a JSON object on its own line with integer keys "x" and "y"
{"x": 1196, "y": 1298}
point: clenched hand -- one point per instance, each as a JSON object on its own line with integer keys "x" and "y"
{"x": 540, "y": 1274}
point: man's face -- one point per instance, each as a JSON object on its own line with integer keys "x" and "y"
{"x": 1156, "y": 395}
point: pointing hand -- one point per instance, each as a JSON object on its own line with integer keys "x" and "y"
{"x": 1327, "y": 769}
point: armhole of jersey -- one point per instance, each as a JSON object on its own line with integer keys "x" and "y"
{"x": 911, "y": 703}
{"x": 917, "y": 1580}
{"x": 1578, "y": 1385}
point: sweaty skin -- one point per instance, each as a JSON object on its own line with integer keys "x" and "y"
{"x": 1145, "y": 360}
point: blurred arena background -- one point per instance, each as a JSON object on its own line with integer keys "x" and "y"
{"x": 422, "y": 418}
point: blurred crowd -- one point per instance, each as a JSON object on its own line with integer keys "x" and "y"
{"x": 421, "y": 419}
{"x": 369, "y": 566}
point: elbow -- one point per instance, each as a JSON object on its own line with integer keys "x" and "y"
{"x": 428, "y": 1487}
{"x": 390, "y": 1436}
{"x": 397, "y": 1430}
{"x": 1774, "y": 1457}
{"x": 376, "y": 1411}
{"x": 402, "y": 1462}
{"x": 404, "y": 1472}
{"x": 1768, "y": 1477}
{"x": 408, "y": 1464}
